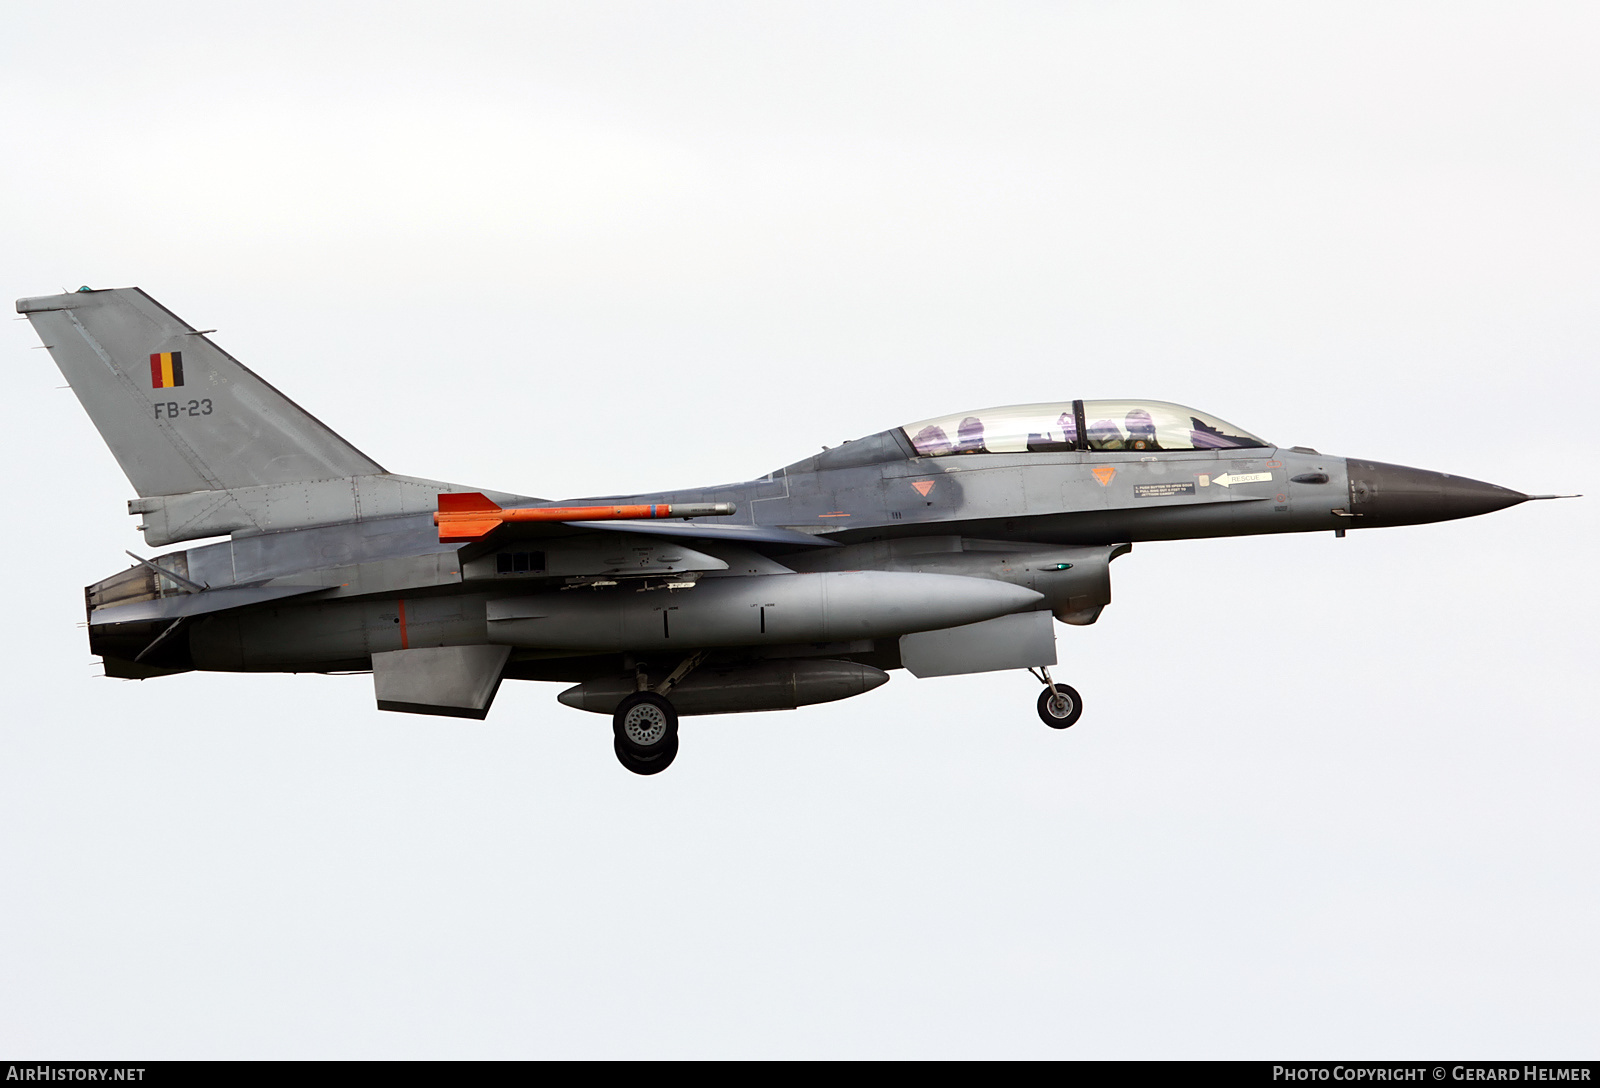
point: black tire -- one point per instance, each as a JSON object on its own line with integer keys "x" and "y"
{"x": 645, "y": 724}
{"x": 646, "y": 764}
{"x": 1060, "y": 717}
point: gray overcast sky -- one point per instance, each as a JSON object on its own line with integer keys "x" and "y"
{"x": 1329, "y": 798}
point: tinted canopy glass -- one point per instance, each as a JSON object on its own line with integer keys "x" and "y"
{"x": 1106, "y": 424}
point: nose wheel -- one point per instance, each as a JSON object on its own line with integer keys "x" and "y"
{"x": 1060, "y": 705}
{"x": 646, "y": 729}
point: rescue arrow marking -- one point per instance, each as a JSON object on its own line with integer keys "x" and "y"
{"x": 1226, "y": 480}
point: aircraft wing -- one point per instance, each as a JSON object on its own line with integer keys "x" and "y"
{"x": 196, "y": 604}
{"x": 755, "y": 537}
{"x": 733, "y": 534}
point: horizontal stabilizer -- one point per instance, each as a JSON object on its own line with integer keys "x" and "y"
{"x": 196, "y": 604}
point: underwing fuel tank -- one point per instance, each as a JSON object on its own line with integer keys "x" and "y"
{"x": 752, "y": 611}
{"x": 763, "y": 685}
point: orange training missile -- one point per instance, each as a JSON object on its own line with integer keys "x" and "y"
{"x": 468, "y": 516}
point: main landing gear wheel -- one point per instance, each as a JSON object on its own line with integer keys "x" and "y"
{"x": 645, "y": 764}
{"x": 646, "y": 729}
{"x": 1060, "y": 706}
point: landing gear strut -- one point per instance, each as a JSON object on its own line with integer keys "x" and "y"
{"x": 1060, "y": 706}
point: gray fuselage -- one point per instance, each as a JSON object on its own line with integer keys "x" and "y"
{"x": 589, "y": 603}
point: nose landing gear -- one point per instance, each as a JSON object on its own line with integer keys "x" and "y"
{"x": 1060, "y": 706}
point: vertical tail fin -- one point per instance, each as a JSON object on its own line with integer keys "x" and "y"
{"x": 179, "y": 413}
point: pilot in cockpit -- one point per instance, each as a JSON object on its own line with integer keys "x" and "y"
{"x": 931, "y": 441}
{"x": 969, "y": 435}
{"x": 1141, "y": 431}
{"x": 1069, "y": 428}
{"x": 1105, "y": 435}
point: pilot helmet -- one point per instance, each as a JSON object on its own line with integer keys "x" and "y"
{"x": 1141, "y": 430}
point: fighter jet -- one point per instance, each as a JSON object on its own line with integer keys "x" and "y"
{"x": 949, "y": 545}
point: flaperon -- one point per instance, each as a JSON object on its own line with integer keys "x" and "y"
{"x": 942, "y": 547}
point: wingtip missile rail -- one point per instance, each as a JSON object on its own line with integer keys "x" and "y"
{"x": 463, "y": 517}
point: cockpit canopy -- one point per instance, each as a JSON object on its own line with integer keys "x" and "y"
{"x": 1077, "y": 425}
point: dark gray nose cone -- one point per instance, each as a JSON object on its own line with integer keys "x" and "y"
{"x": 1395, "y": 495}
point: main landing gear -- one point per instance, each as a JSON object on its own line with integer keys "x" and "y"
{"x": 1060, "y": 706}
{"x": 645, "y": 724}
{"x": 646, "y": 730}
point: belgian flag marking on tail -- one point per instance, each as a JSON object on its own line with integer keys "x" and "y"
{"x": 166, "y": 369}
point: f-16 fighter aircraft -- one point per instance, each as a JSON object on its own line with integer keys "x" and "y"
{"x": 950, "y": 545}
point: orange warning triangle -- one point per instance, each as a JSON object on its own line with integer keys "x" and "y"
{"x": 1103, "y": 473}
{"x": 923, "y": 487}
